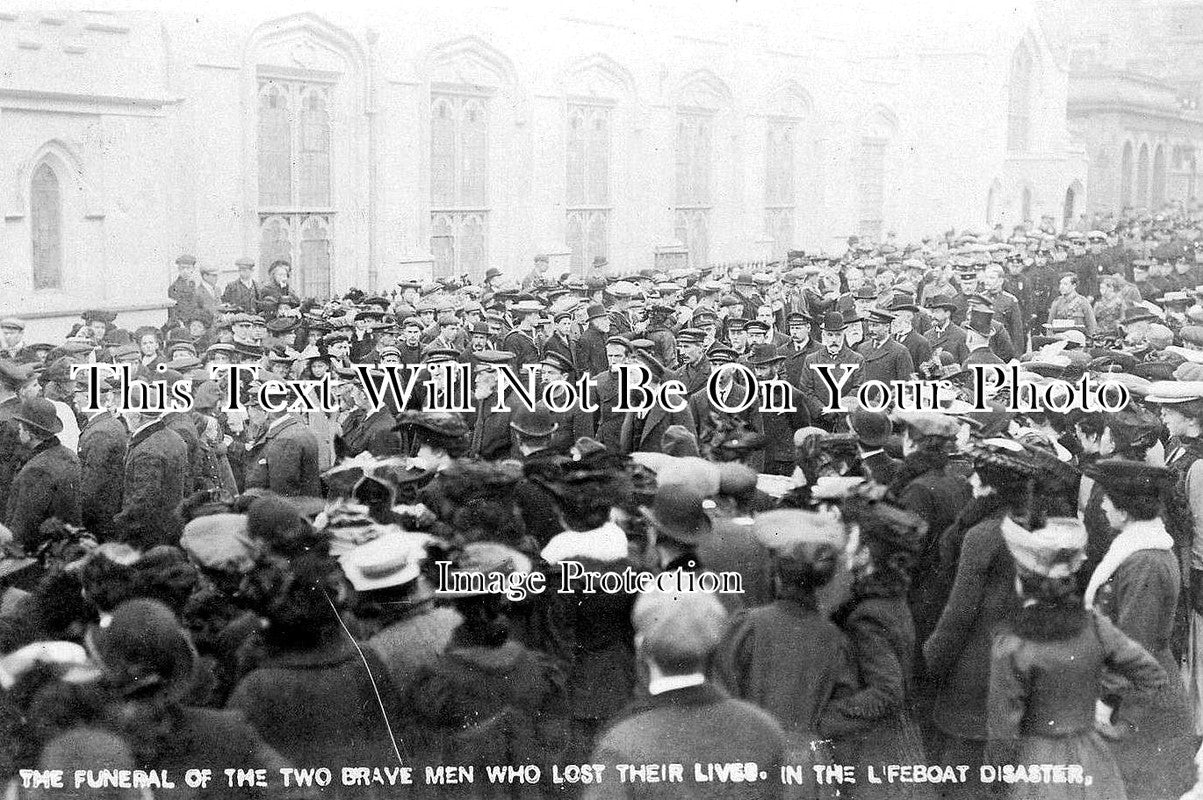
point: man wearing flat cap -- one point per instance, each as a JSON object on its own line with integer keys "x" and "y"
{"x": 885, "y": 359}
{"x": 12, "y": 341}
{"x": 243, "y": 291}
{"x": 48, "y": 484}
{"x": 183, "y": 290}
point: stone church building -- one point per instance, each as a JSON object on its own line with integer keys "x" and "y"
{"x": 449, "y": 137}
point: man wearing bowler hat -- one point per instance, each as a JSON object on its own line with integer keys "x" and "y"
{"x": 944, "y": 334}
{"x": 834, "y": 354}
{"x": 590, "y": 349}
{"x": 48, "y": 485}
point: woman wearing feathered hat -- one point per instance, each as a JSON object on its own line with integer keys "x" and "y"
{"x": 1049, "y": 663}
{"x": 981, "y": 596}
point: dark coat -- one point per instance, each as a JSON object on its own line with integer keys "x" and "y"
{"x": 608, "y": 422}
{"x": 694, "y": 376}
{"x": 880, "y": 730}
{"x": 156, "y": 468}
{"x": 917, "y": 345}
{"x": 13, "y": 454}
{"x": 696, "y": 724}
{"x": 364, "y": 432}
{"x": 535, "y": 502}
{"x": 589, "y": 352}
{"x": 523, "y": 347}
{"x": 778, "y": 428}
{"x": 1140, "y": 598}
{"x": 880, "y": 467}
{"x": 795, "y": 360}
{"x": 789, "y": 659}
{"x": 1008, "y": 313}
{"x": 185, "y": 428}
{"x": 1042, "y": 701}
{"x": 320, "y": 706}
{"x": 887, "y": 362}
{"x": 814, "y": 387}
{"x": 951, "y": 340}
{"x": 46, "y": 487}
{"x": 103, "y": 444}
{"x": 701, "y": 409}
{"x": 491, "y": 435}
{"x": 651, "y": 429}
{"x": 556, "y": 343}
{"x": 286, "y": 462}
{"x": 239, "y": 294}
{"x": 957, "y": 653}
{"x": 183, "y": 292}
{"x": 492, "y": 705}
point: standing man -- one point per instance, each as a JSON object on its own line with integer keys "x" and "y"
{"x": 286, "y": 460}
{"x": 12, "y": 453}
{"x": 834, "y": 355}
{"x": 521, "y": 340}
{"x": 694, "y": 368}
{"x": 944, "y": 334}
{"x": 103, "y": 444}
{"x": 157, "y": 477}
{"x": 47, "y": 487}
{"x": 886, "y": 359}
{"x": 244, "y": 291}
{"x": 1005, "y": 305}
{"x": 1073, "y": 306}
{"x": 207, "y": 298}
{"x": 903, "y": 331}
{"x": 590, "y": 349}
{"x": 799, "y": 346}
{"x": 183, "y": 290}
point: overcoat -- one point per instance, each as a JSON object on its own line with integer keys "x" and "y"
{"x": 102, "y": 448}
{"x": 156, "y": 470}
{"x": 286, "y": 462}
{"x": 47, "y": 486}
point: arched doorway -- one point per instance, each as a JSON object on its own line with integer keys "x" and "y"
{"x": 1125, "y": 177}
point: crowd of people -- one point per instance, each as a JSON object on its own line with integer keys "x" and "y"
{"x": 959, "y": 585}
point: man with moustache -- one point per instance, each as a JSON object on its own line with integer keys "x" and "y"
{"x": 834, "y": 353}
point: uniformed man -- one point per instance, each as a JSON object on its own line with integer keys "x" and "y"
{"x": 944, "y": 334}
{"x": 693, "y": 369}
{"x": 1071, "y": 305}
{"x": 521, "y": 340}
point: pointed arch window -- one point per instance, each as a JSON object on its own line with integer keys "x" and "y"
{"x": 779, "y": 194}
{"x": 46, "y": 227}
{"x": 296, "y": 213}
{"x": 459, "y": 158}
{"x": 588, "y": 182}
{"x": 1019, "y": 108}
{"x": 695, "y": 131}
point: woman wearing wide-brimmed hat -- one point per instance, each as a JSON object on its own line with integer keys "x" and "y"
{"x": 1049, "y": 664}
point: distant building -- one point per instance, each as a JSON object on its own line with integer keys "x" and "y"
{"x": 454, "y": 136}
{"x": 1135, "y": 88}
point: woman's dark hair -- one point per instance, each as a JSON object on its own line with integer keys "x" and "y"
{"x": 1139, "y": 506}
{"x": 1049, "y": 591}
{"x": 1005, "y": 482}
{"x": 299, "y": 598}
{"x": 485, "y": 622}
{"x": 486, "y": 520}
{"x": 800, "y": 578}
{"x": 586, "y": 504}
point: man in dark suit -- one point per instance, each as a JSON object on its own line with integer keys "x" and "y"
{"x": 644, "y": 432}
{"x": 886, "y": 359}
{"x": 778, "y": 426}
{"x": 47, "y": 486}
{"x": 684, "y": 717}
{"x": 731, "y": 389}
{"x": 944, "y": 334}
{"x": 560, "y": 340}
{"x": 243, "y": 292}
{"x": 521, "y": 340}
{"x": 1006, "y": 306}
{"x": 365, "y": 430}
{"x": 590, "y": 350}
{"x": 183, "y": 291}
{"x": 903, "y": 330}
{"x": 12, "y": 452}
{"x": 693, "y": 369}
{"x": 491, "y": 434}
{"x": 156, "y": 474}
{"x": 103, "y": 444}
{"x": 286, "y": 459}
{"x": 872, "y": 429}
{"x": 835, "y": 354}
{"x": 800, "y": 345}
